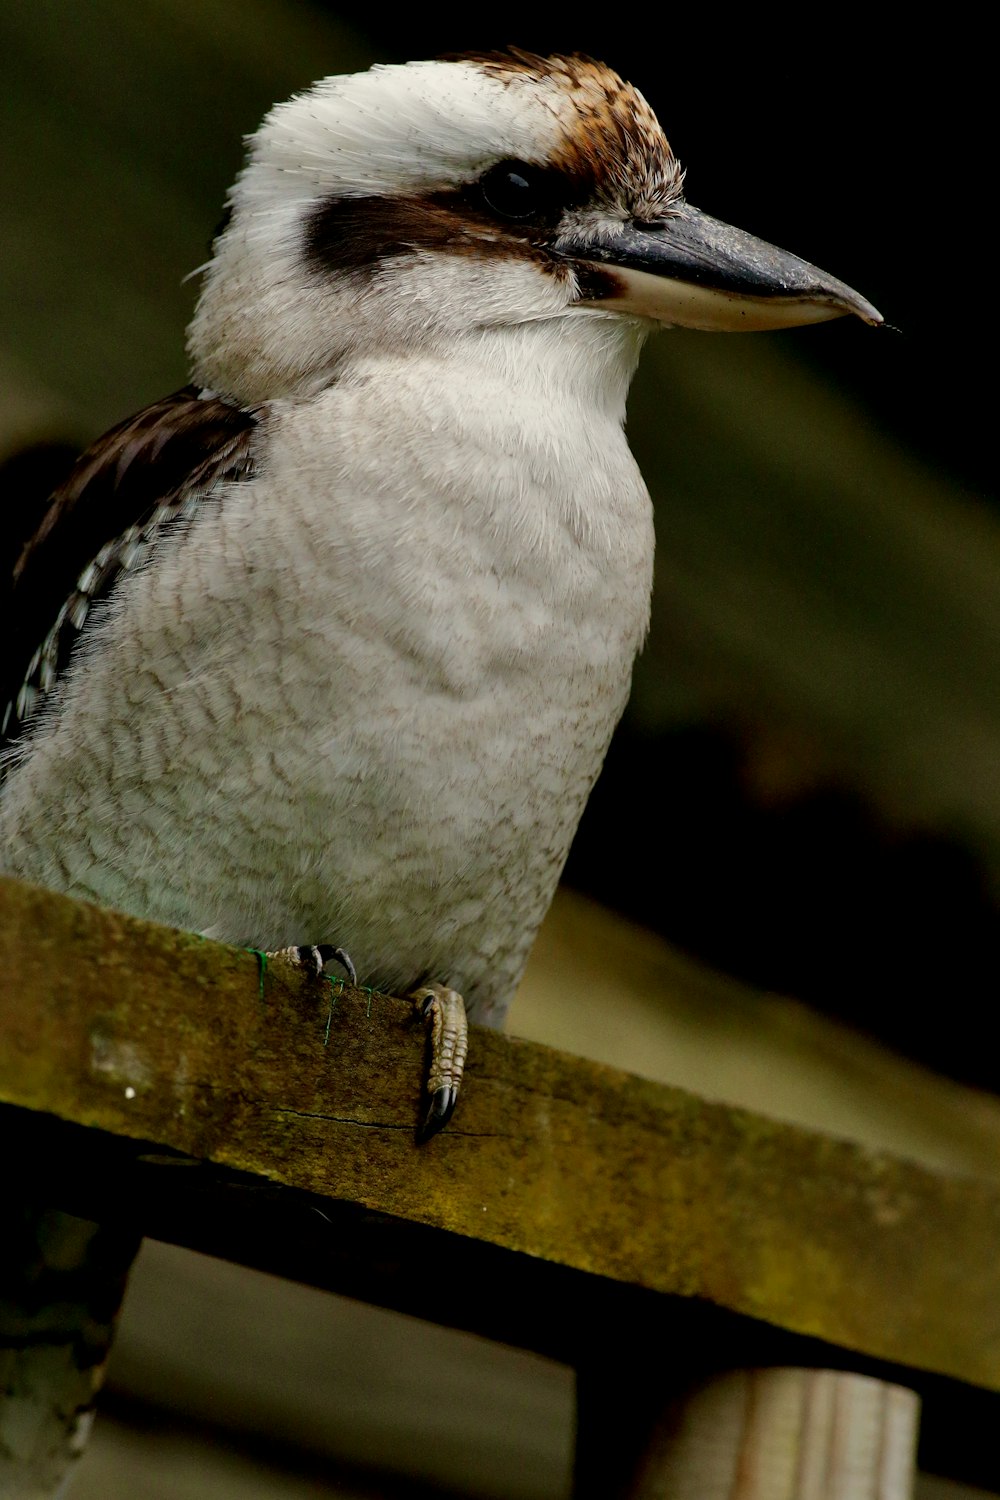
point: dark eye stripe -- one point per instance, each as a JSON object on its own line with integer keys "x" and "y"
{"x": 354, "y": 236}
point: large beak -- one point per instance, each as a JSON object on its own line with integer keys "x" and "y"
{"x": 694, "y": 271}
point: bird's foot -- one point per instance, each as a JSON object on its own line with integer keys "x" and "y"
{"x": 311, "y": 958}
{"x": 444, "y": 1012}
{"x": 441, "y": 1008}
{"x": 314, "y": 957}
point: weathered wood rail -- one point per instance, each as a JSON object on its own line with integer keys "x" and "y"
{"x": 149, "y": 1075}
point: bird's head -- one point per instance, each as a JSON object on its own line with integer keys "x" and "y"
{"x": 416, "y": 204}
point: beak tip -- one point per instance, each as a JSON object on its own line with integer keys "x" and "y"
{"x": 867, "y": 313}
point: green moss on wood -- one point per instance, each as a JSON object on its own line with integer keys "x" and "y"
{"x": 157, "y": 1035}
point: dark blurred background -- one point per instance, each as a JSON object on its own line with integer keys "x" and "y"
{"x": 805, "y": 788}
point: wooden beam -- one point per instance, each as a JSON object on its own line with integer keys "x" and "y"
{"x": 128, "y": 1050}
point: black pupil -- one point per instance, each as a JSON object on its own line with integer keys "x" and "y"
{"x": 514, "y": 190}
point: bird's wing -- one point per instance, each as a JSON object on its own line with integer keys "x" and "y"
{"x": 145, "y": 473}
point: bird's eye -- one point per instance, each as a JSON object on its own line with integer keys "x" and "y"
{"x": 515, "y": 190}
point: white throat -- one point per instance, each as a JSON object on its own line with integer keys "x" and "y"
{"x": 584, "y": 357}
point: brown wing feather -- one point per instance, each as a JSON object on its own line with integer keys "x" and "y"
{"x": 136, "y": 478}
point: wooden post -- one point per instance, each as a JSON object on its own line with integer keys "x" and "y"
{"x": 783, "y": 1434}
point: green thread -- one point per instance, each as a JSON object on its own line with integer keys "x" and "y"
{"x": 333, "y": 980}
{"x": 261, "y": 958}
{"x": 335, "y": 986}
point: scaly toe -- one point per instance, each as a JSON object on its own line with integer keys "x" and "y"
{"x": 444, "y": 1011}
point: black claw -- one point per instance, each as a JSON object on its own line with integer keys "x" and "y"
{"x": 441, "y": 1110}
{"x": 344, "y": 960}
{"x": 310, "y": 958}
{"x": 326, "y": 951}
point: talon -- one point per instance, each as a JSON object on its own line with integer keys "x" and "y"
{"x": 444, "y": 1009}
{"x": 343, "y": 958}
{"x": 310, "y": 958}
{"x": 314, "y": 957}
{"x": 442, "y": 1107}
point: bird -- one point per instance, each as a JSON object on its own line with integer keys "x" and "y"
{"x": 322, "y": 653}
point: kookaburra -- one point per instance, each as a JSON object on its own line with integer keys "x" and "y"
{"x": 327, "y": 648}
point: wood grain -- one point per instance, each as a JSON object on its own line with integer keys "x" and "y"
{"x": 156, "y": 1037}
